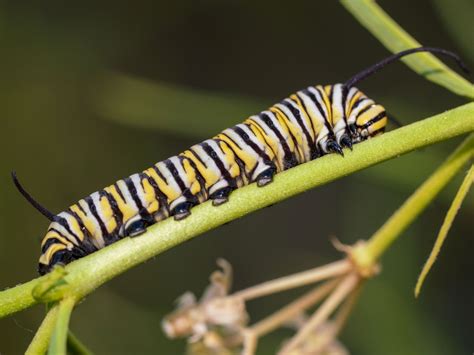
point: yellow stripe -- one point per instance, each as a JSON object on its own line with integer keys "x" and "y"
{"x": 209, "y": 175}
{"x": 260, "y": 136}
{"x": 195, "y": 187}
{"x": 108, "y": 214}
{"x": 53, "y": 249}
{"x": 327, "y": 103}
{"x": 353, "y": 101}
{"x": 52, "y": 234}
{"x": 288, "y": 127}
{"x": 248, "y": 159}
{"x": 85, "y": 220}
{"x": 306, "y": 118}
{"x": 234, "y": 168}
{"x": 127, "y": 211}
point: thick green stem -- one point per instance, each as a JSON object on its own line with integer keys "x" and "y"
{"x": 396, "y": 39}
{"x": 420, "y": 199}
{"x": 86, "y": 274}
{"x": 58, "y": 343}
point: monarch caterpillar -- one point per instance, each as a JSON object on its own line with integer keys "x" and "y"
{"x": 312, "y": 122}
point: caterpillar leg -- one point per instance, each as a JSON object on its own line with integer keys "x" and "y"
{"x": 182, "y": 210}
{"x": 220, "y": 196}
{"x": 265, "y": 177}
{"x": 333, "y": 147}
{"x": 136, "y": 228}
{"x": 346, "y": 141}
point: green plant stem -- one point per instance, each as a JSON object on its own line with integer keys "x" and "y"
{"x": 88, "y": 273}
{"x": 40, "y": 341}
{"x": 420, "y": 199}
{"x": 58, "y": 343}
{"x": 75, "y": 346}
{"x": 396, "y": 39}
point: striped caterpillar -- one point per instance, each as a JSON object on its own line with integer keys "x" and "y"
{"x": 312, "y": 122}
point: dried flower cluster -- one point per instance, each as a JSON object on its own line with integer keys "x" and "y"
{"x": 218, "y": 322}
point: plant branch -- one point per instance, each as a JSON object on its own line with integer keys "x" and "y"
{"x": 395, "y": 38}
{"x": 295, "y": 280}
{"x": 40, "y": 341}
{"x": 347, "y": 285}
{"x": 75, "y": 346}
{"x": 86, "y": 274}
{"x": 417, "y": 202}
{"x": 58, "y": 343}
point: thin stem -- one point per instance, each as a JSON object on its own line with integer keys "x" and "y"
{"x": 346, "y": 309}
{"x": 418, "y": 201}
{"x": 86, "y": 274}
{"x": 58, "y": 344}
{"x": 75, "y": 346}
{"x": 296, "y": 280}
{"x": 291, "y": 310}
{"x": 346, "y": 286}
{"x": 40, "y": 341}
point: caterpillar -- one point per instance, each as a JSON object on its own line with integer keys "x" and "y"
{"x": 312, "y": 122}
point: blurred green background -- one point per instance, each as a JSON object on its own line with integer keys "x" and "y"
{"x": 95, "y": 91}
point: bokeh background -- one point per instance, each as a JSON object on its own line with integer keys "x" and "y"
{"x": 95, "y": 91}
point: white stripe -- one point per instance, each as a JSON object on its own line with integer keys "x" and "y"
{"x": 97, "y": 237}
{"x": 137, "y": 181}
{"x": 171, "y": 182}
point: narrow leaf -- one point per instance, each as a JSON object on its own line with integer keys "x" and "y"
{"x": 174, "y": 109}
{"x": 396, "y": 39}
{"x": 448, "y": 221}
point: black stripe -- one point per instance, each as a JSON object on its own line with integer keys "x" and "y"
{"x": 50, "y": 241}
{"x": 118, "y": 215}
{"x": 344, "y": 93}
{"x": 144, "y": 214}
{"x": 79, "y": 220}
{"x": 199, "y": 177}
{"x": 93, "y": 209}
{"x": 63, "y": 222}
{"x": 365, "y": 109}
{"x": 220, "y": 165}
{"x": 313, "y": 98}
{"x": 238, "y": 160}
{"x": 243, "y": 166}
{"x": 80, "y": 207}
{"x": 380, "y": 116}
{"x": 196, "y": 155}
{"x": 266, "y": 159}
{"x": 289, "y": 159}
{"x": 380, "y": 130}
{"x": 158, "y": 172}
{"x": 174, "y": 172}
{"x": 301, "y": 103}
{"x": 331, "y": 100}
{"x": 296, "y": 112}
{"x": 86, "y": 244}
{"x": 358, "y": 102}
{"x": 245, "y": 137}
{"x": 119, "y": 192}
{"x": 162, "y": 199}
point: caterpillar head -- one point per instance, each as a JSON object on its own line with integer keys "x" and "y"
{"x": 56, "y": 247}
{"x": 367, "y": 122}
